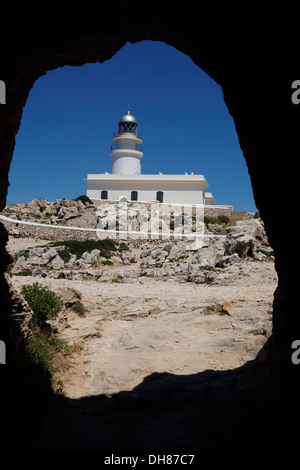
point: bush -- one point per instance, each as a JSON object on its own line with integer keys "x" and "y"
{"x": 79, "y": 308}
{"x": 61, "y": 276}
{"x": 65, "y": 255}
{"x": 84, "y": 199}
{"x": 25, "y": 272}
{"x": 77, "y": 248}
{"x": 42, "y": 350}
{"x": 108, "y": 262}
{"x": 123, "y": 247}
{"x": 219, "y": 219}
{"x": 44, "y": 303}
{"x": 24, "y": 253}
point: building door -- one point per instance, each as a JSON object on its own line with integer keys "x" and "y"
{"x": 159, "y": 196}
{"x": 104, "y": 194}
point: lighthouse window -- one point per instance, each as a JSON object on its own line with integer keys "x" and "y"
{"x": 159, "y": 196}
{"x": 127, "y": 128}
{"x": 104, "y": 194}
{"x": 134, "y": 195}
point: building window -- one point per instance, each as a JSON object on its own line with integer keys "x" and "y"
{"x": 104, "y": 194}
{"x": 159, "y": 196}
{"x": 134, "y": 195}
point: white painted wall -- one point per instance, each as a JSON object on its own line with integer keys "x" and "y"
{"x": 174, "y": 191}
{"x": 126, "y": 163}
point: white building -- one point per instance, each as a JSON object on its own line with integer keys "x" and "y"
{"x": 127, "y": 180}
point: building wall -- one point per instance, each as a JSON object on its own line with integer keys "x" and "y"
{"x": 176, "y": 192}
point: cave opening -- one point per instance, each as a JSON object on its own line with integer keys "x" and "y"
{"x": 260, "y": 198}
{"x": 67, "y": 125}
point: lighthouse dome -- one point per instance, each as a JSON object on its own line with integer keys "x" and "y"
{"x": 128, "y": 124}
{"x": 128, "y": 117}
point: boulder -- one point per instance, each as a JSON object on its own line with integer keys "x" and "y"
{"x": 57, "y": 263}
{"x": 36, "y": 206}
{"x": 246, "y": 238}
{"x": 88, "y": 258}
{"x": 128, "y": 258}
{"x": 68, "y": 295}
{"x": 228, "y": 260}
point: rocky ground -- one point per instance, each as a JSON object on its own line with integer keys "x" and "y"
{"x": 154, "y": 306}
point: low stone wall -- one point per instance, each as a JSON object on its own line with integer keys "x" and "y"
{"x": 214, "y": 211}
{"x": 52, "y": 233}
{"x": 46, "y": 232}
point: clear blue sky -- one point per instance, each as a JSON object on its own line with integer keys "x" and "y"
{"x": 72, "y": 112}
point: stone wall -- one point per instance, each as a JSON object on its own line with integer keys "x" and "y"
{"x": 214, "y": 211}
{"x": 46, "y": 232}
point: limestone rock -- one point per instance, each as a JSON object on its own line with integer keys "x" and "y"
{"x": 68, "y": 295}
{"x": 246, "y": 238}
{"x": 228, "y": 260}
{"x": 57, "y": 263}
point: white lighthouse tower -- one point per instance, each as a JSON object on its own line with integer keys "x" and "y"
{"x": 126, "y": 179}
{"x": 126, "y": 155}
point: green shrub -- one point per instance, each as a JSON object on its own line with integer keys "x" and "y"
{"x": 44, "y": 303}
{"x": 24, "y": 253}
{"x": 84, "y": 199}
{"x": 9, "y": 268}
{"x": 39, "y": 353}
{"x": 61, "y": 276}
{"x": 42, "y": 349}
{"x": 219, "y": 219}
{"x": 77, "y": 248}
{"x": 123, "y": 247}
{"x": 79, "y": 308}
{"x": 25, "y": 272}
{"x": 167, "y": 248}
{"x": 65, "y": 255}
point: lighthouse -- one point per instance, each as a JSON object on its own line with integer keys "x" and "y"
{"x": 127, "y": 180}
{"x": 125, "y": 152}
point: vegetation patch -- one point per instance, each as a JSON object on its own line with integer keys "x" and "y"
{"x": 84, "y": 199}
{"x": 24, "y": 253}
{"x": 64, "y": 255}
{"x": 219, "y": 219}
{"x": 61, "y": 276}
{"x": 75, "y": 247}
{"x": 43, "y": 348}
{"x": 79, "y": 308}
{"x": 25, "y": 272}
{"x": 44, "y": 303}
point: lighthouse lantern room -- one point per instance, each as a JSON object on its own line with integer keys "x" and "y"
{"x": 126, "y": 153}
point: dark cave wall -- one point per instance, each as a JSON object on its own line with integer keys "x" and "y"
{"x": 244, "y": 54}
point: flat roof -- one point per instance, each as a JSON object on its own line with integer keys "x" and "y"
{"x": 159, "y": 177}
